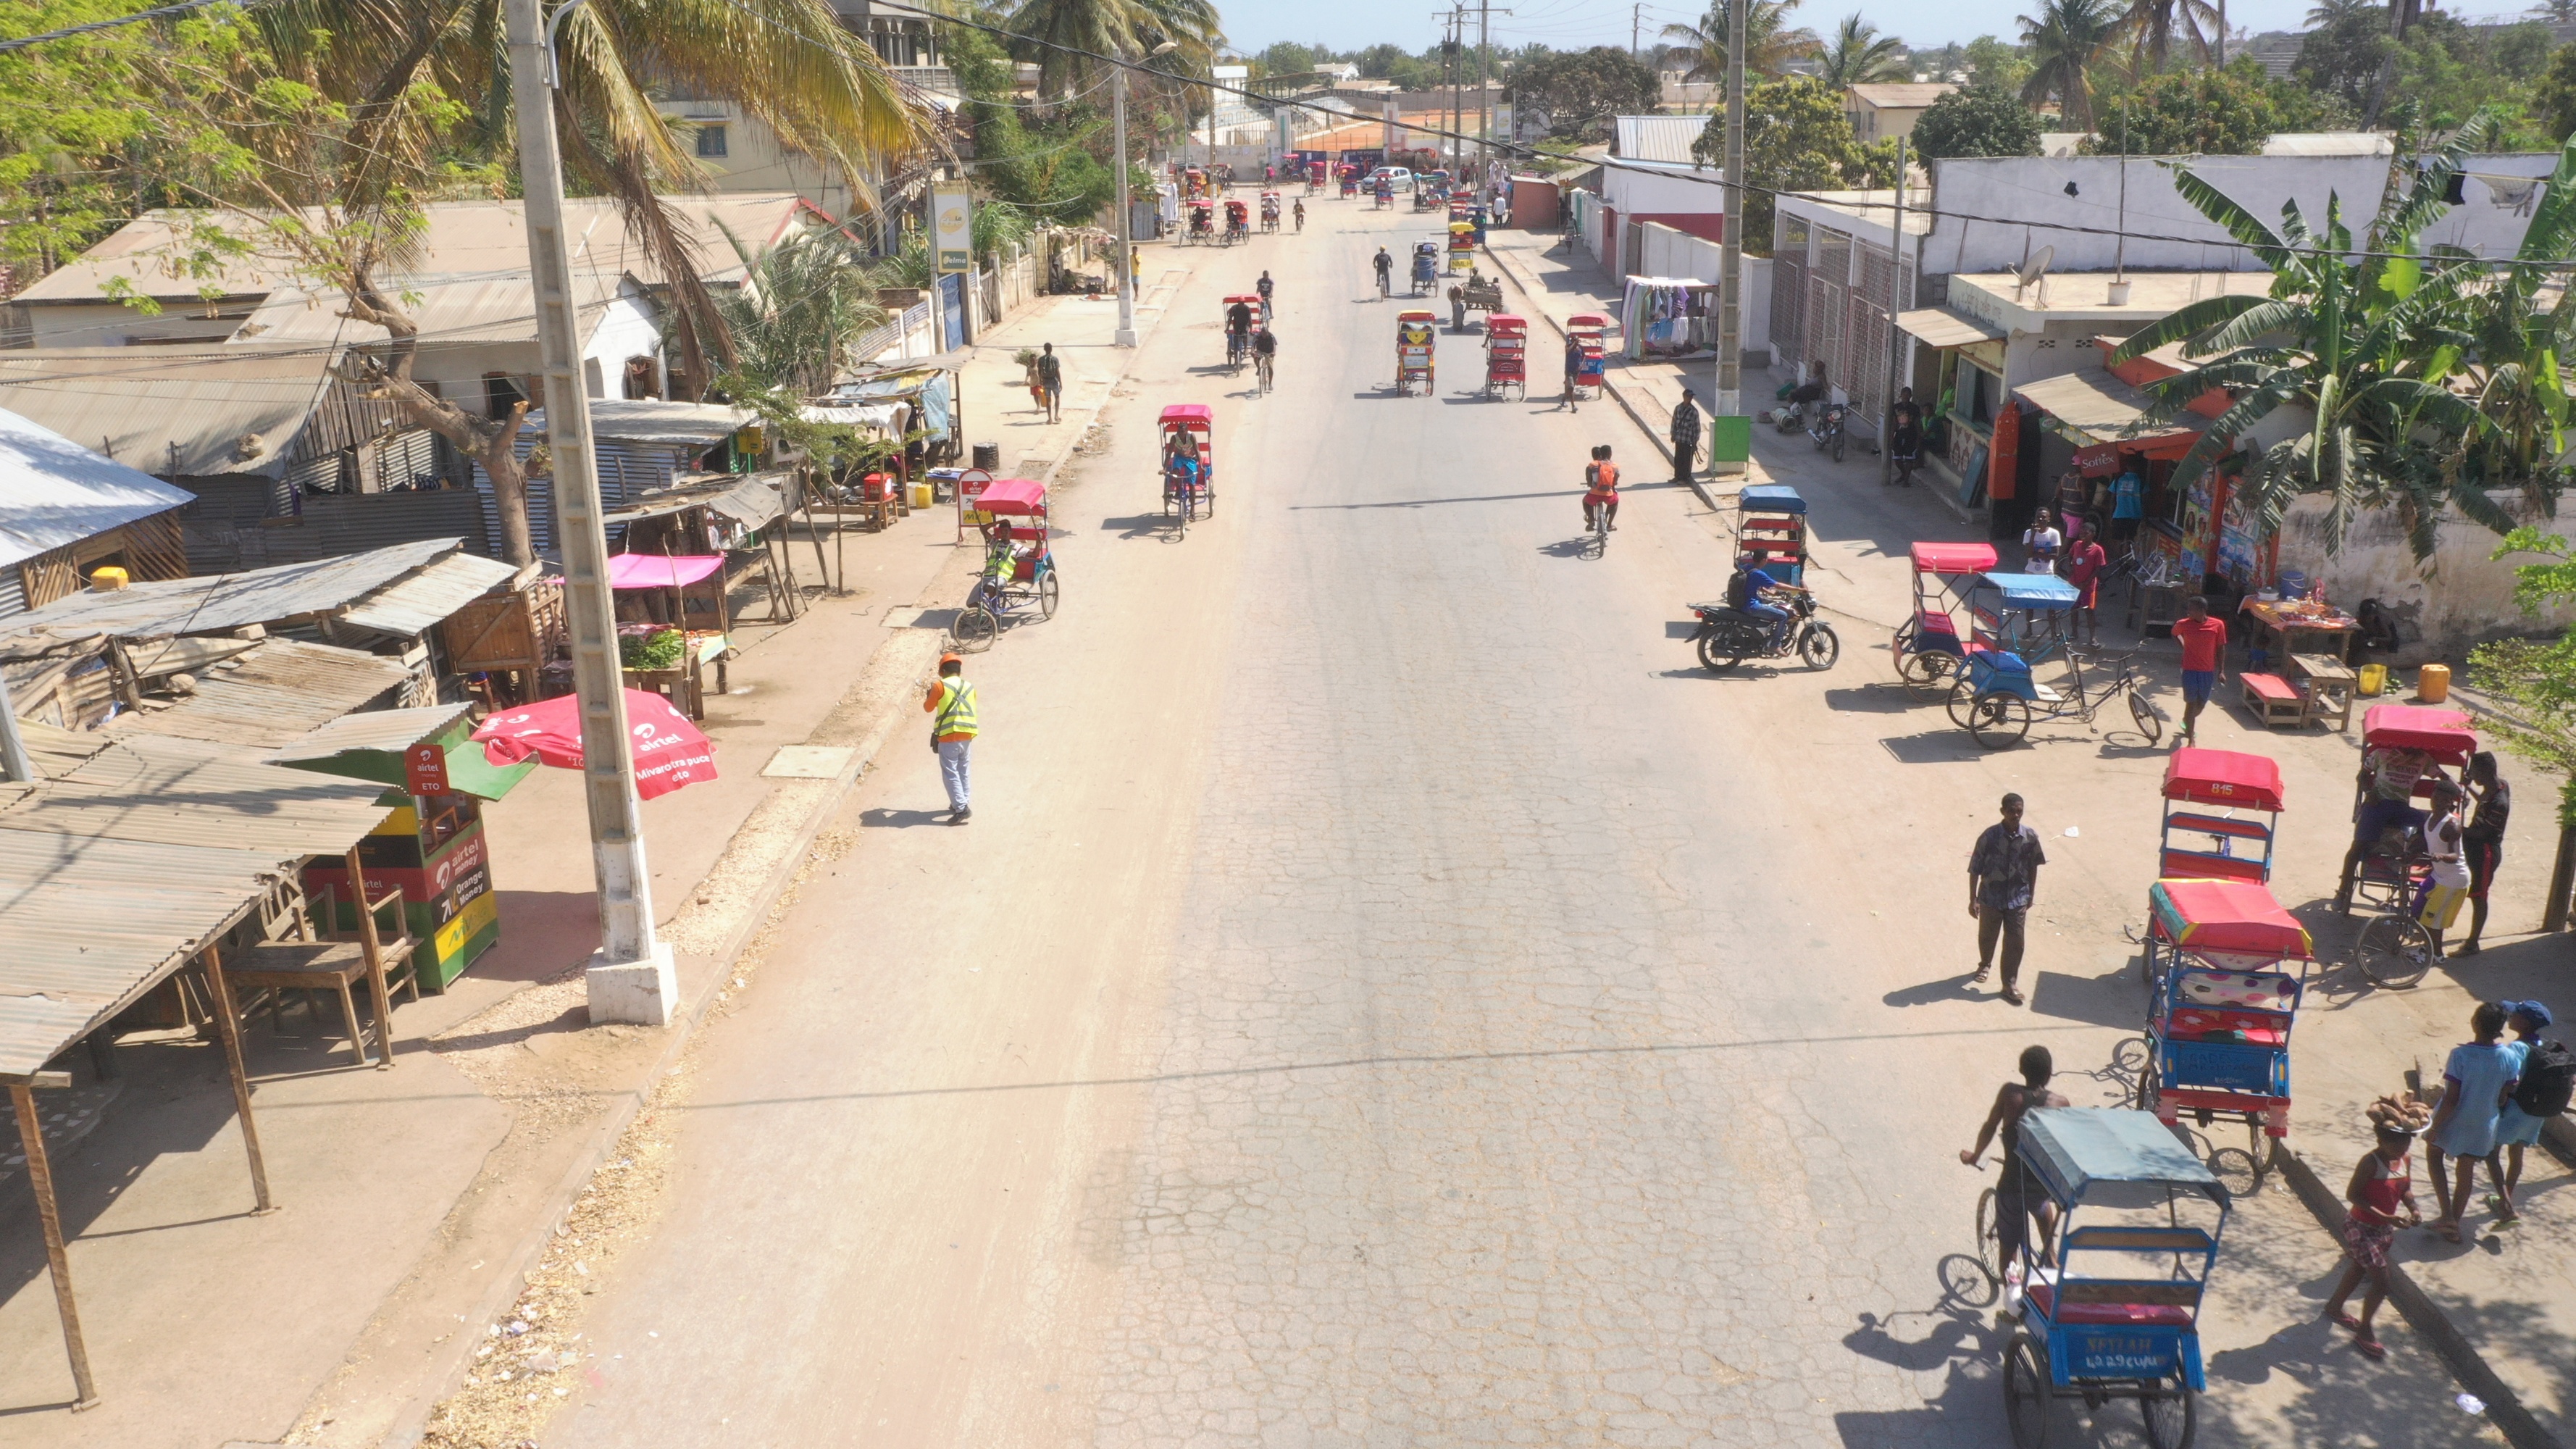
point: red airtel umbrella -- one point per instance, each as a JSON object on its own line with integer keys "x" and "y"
{"x": 669, "y": 751}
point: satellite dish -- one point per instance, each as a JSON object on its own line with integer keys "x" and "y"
{"x": 2034, "y": 269}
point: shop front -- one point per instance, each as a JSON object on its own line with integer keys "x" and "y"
{"x": 431, "y": 846}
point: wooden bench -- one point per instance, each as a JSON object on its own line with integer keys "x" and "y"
{"x": 2274, "y": 701}
{"x": 326, "y": 965}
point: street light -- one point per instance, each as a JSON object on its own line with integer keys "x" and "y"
{"x": 1127, "y": 244}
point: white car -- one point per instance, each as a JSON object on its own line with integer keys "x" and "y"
{"x": 1397, "y": 178}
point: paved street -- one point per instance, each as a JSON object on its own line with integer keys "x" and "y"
{"x": 1389, "y": 995}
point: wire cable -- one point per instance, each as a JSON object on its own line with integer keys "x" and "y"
{"x": 160, "y": 12}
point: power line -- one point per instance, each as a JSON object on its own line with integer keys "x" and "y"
{"x": 93, "y": 27}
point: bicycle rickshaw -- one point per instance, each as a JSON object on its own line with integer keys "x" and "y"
{"x": 1270, "y": 211}
{"x": 1462, "y": 246}
{"x": 1771, "y": 524}
{"x": 2116, "y": 1315}
{"x": 1202, "y": 222}
{"x": 2226, "y": 968}
{"x": 1238, "y": 221}
{"x": 2021, "y": 619}
{"x": 1314, "y": 177}
{"x": 1930, "y": 652}
{"x": 1415, "y": 329}
{"x": 1464, "y": 207}
{"x": 1019, "y": 563}
{"x": 1426, "y": 266}
{"x": 1506, "y": 354}
{"x": 1238, "y": 346}
{"x": 1189, "y": 427}
{"x": 1591, "y": 332}
{"x": 1350, "y": 181}
{"x": 2396, "y": 949}
{"x": 2193, "y": 843}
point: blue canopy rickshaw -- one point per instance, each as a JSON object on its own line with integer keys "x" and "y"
{"x": 2116, "y": 1313}
{"x": 1771, "y": 524}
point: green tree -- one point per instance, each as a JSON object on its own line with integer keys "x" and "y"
{"x": 1286, "y": 58}
{"x": 2065, "y": 41}
{"x": 805, "y": 299}
{"x": 2346, "y": 56}
{"x": 2361, "y": 349}
{"x": 1796, "y": 138}
{"x": 2553, "y": 101}
{"x": 1976, "y": 120}
{"x": 1111, "y": 28}
{"x": 1579, "y": 91}
{"x": 1770, "y": 42}
{"x": 1996, "y": 63}
{"x": 72, "y": 119}
{"x": 2227, "y": 112}
{"x": 2523, "y": 326}
{"x": 1860, "y": 55}
{"x": 2534, "y": 680}
{"x": 2152, "y": 27}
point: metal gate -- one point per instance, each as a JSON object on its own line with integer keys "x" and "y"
{"x": 1789, "y": 293}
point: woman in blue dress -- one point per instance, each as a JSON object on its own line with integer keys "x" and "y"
{"x": 2476, "y": 1082}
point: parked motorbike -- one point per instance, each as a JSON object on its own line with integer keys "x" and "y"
{"x": 1827, "y": 430}
{"x": 1727, "y": 637}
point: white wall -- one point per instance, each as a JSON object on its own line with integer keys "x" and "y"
{"x": 1986, "y": 203}
{"x": 1678, "y": 191}
{"x": 2459, "y": 598}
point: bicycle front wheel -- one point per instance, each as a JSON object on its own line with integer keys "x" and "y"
{"x": 1963, "y": 694}
{"x": 1990, "y": 1243}
{"x": 2394, "y": 950}
{"x": 2144, "y": 716}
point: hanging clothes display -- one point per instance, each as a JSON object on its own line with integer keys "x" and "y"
{"x": 1668, "y": 316}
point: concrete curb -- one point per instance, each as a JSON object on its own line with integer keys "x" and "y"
{"x": 2504, "y": 1409}
{"x": 1663, "y": 449}
{"x": 510, "y": 1278}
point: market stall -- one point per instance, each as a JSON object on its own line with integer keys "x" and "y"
{"x": 1666, "y": 316}
{"x": 730, "y": 516}
{"x": 432, "y": 846}
{"x": 673, "y": 620}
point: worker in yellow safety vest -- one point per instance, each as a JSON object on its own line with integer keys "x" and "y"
{"x": 951, "y": 707}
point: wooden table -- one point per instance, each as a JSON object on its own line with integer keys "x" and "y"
{"x": 2330, "y": 687}
{"x": 2153, "y": 607}
{"x": 2280, "y": 633}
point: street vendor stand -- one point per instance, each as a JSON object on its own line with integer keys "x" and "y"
{"x": 2288, "y": 627}
{"x": 730, "y": 515}
{"x": 657, "y": 593}
{"x": 432, "y": 847}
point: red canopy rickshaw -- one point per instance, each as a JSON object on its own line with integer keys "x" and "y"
{"x": 1506, "y": 354}
{"x": 1019, "y": 561}
{"x": 1187, "y": 428}
{"x": 1238, "y": 220}
{"x": 1202, "y": 221}
{"x": 2225, "y": 997}
{"x": 2237, "y": 787}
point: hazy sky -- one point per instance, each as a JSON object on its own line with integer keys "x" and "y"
{"x": 1573, "y": 24}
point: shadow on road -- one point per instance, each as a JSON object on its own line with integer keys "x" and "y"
{"x": 888, "y": 818}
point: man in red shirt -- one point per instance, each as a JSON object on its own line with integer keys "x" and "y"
{"x": 2204, "y": 659}
{"x": 2084, "y": 565}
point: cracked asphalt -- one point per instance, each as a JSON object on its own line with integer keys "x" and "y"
{"x": 1388, "y": 995}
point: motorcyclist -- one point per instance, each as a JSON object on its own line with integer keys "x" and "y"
{"x": 1238, "y": 329}
{"x": 1385, "y": 271}
{"x": 1601, "y": 488}
{"x": 1746, "y": 591}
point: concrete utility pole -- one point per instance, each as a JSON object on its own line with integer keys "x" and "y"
{"x": 1636, "y": 26}
{"x": 1126, "y": 336}
{"x": 1895, "y": 339}
{"x": 1457, "y": 97}
{"x": 1729, "y": 400}
{"x": 1484, "y": 92}
{"x": 630, "y": 975}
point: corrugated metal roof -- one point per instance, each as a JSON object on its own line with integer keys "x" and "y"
{"x": 752, "y": 499}
{"x": 270, "y": 695}
{"x": 422, "y": 602}
{"x": 128, "y": 857}
{"x": 220, "y": 540}
{"x": 1656, "y": 138}
{"x": 377, "y": 729}
{"x": 53, "y": 491}
{"x": 232, "y": 601}
{"x": 477, "y": 310}
{"x": 226, "y": 409}
{"x": 644, "y": 420}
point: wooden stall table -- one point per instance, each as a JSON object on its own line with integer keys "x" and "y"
{"x": 315, "y": 965}
{"x": 2330, "y": 688}
{"x": 2153, "y": 607}
{"x": 2283, "y": 629}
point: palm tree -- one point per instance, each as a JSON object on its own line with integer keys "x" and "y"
{"x": 1120, "y": 28}
{"x": 2330, "y": 12}
{"x": 2522, "y": 340}
{"x": 1769, "y": 45}
{"x": 2359, "y": 349}
{"x": 2154, "y": 25}
{"x": 803, "y": 300}
{"x": 2065, "y": 41}
{"x": 1860, "y": 55}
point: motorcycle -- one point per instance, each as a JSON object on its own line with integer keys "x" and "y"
{"x": 1726, "y": 637}
{"x": 1827, "y": 430}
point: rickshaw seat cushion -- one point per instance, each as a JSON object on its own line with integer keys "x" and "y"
{"x": 1932, "y": 623}
{"x": 2004, "y": 661}
{"x": 1027, "y": 535}
{"x": 2235, "y": 825}
{"x": 2044, "y": 1297}
{"x": 2251, "y": 1027}
{"x": 2200, "y": 864}
{"x": 1024, "y": 570}
{"x": 2231, "y": 990}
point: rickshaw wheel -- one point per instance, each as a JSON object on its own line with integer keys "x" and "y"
{"x": 2143, "y": 715}
{"x": 2172, "y": 1418}
{"x": 2026, "y": 1393}
{"x": 1048, "y": 590}
{"x": 1925, "y": 676}
{"x": 2394, "y": 950}
{"x": 976, "y": 628}
{"x": 1997, "y": 719}
{"x": 1962, "y": 694}
{"x": 1990, "y": 1244}
{"x": 2151, "y": 1084}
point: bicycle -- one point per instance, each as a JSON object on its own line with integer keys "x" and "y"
{"x": 1998, "y": 710}
{"x": 1598, "y": 516}
{"x": 1261, "y": 364}
{"x": 1385, "y": 284}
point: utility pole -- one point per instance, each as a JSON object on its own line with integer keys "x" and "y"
{"x": 1730, "y": 275}
{"x": 1484, "y": 94}
{"x": 1457, "y": 98}
{"x": 1636, "y": 26}
{"x": 1895, "y": 342}
{"x": 630, "y": 977}
{"x": 1126, "y": 336}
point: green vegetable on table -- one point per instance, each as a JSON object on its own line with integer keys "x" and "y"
{"x": 663, "y": 650}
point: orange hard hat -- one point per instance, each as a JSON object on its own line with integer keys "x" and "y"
{"x": 952, "y": 658}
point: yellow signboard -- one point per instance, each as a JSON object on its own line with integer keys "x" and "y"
{"x": 952, "y": 226}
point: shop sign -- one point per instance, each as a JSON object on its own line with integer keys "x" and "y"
{"x": 425, "y": 769}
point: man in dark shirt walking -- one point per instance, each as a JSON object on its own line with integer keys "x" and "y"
{"x": 1051, "y": 381}
{"x": 2003, "y": 875}
{"x": 1685, "y": 436}
{"x": 2484, "y": 839}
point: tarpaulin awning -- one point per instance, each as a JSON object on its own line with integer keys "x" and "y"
{"x": 657, "y": 571}
{"x": 2033, "y": 591}
{"x": 2096, "y": 408}
{"x": 2233, "y": 917}
{"x": 2113, "y": 1157}
{"x": 371, "y": 746}
{"x": 1944, "y": 327}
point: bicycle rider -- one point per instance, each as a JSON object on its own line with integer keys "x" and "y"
{"x": 1385, "y": 271}
{"x": 1573, "y": 371}
{"x": 2016, "y": 1197}
{"x": 1263, "y": 287}
{"x": 1238, "y": 330}
{"x": 1601, "y": 489}
{"x": 1265, "y": 353}
{"x": 1301, "y": 213}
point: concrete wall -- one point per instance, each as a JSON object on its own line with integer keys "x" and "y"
{"x": 1679, "y": 191}
{"x": 2457, "y": 598}
{"x": 1991, "y": 206}
{"x": 1666, "y": 252}
{"x": 755, "y": 160}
